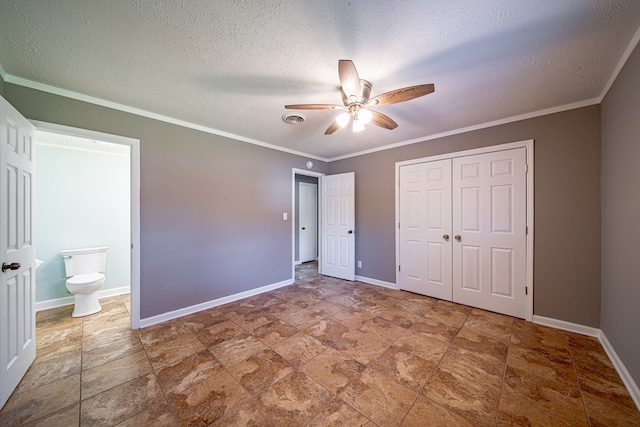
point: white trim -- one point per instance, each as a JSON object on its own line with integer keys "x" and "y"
{"x": 121, "y": 107}
{"x": 61, "y": 302}
{"x": 135, "y": 199}
{"x": 139, "y": 112}
{"x": 553, "y": 110}
{"x": 528, "y": 146}
{"x": 306, "y": 172}
{"x": 566, "y": 326}
{"x": 86, "y": 150}
{"x": 623, "y": 60}
{"x": 377, "y": 282}
{"x": 210, "y": 304}
{"x": 628, "y": 381}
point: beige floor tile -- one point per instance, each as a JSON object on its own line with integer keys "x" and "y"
{"x": 299, "y": 349}
{"x": 38, "y": 402}
{"x": 181, "y": 375}
{"x": 261, "y": 370}
{"x": 379, "y": 398}
{"x": 339, "y": 414}
{"x": 294, "y": 400}
{"x": 237, "y": 349}
{"x": 426, "y": 413}
{"x": 274, "y": 332}
{"x": 208, "y": 400}
{"x": 321, "y": 352}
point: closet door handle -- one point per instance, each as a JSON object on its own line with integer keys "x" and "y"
{"x": 446, "y": 237}
{"x": 457, "y": 237}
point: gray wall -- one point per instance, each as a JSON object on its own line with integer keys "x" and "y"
{"x": 567, "y": 207}
{"x": 211, "y": 207}
{"x": 620, "y": 215}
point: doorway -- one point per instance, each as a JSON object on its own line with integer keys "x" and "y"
{"x": 305, "y": 208}
{"x": 121, "y": 155}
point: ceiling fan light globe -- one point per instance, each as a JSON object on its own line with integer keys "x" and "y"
{"x": 358, "y": 126}
{"x": 343, "y": 119}
{"x": 364, "y": 116}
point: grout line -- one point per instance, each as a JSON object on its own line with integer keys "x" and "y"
{"x": 504, "y": 372}
{"x": 575, "y": 371}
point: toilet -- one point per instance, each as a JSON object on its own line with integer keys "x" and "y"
{"x": 84, "y": 269}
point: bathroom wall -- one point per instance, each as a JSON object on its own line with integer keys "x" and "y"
{"x": 82, "y": 200}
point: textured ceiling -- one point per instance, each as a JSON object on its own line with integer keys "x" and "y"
{"x": 231, "y": 66}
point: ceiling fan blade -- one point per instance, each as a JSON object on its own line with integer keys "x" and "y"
{"x": 383, "y": 121}
{"x": 312, "y": 106}
{"x": 349, "y": 78}
{"x": 332, "y": 128}
{"x": 401, "y": 95}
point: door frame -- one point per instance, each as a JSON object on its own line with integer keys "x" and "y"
{"x": 528, "y": 145}
{"x": 134, "y": 194}
{"x": 319, "y": 175}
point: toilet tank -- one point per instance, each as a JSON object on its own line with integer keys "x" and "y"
{"x": 85, "y": 260}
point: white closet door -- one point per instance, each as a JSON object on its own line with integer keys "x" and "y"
{"x": 489, "y": 227}
{"x": 425, "y": 228}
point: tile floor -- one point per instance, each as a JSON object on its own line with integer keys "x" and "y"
{"x": 321, "y": 352}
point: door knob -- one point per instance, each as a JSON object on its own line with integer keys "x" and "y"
{"x": 304, "y": 228}
{"x": 350, "y": 231}
{"x": 12, "y": 266}
{"x": 457, "y": 237}
{"x": 446, "y": 237}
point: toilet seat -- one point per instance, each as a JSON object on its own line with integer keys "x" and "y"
{"x": 85, "y": 279}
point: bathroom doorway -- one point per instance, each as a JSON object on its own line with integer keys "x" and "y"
{"x": 305, "y": 222}
{"x": 87, "y": 195}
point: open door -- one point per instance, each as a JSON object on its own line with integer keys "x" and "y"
{"x": 338, "y": 226}
{"x": 17, "y": 253}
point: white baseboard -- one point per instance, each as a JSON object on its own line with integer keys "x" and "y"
{"x": 567, "y": 326}
{"x": 148, "y": 321}
{"x": 376, "y": 282}
{"x": 60, "y": 302}
{"x": 628, "y": 381}
{"x": 622, "y": 370}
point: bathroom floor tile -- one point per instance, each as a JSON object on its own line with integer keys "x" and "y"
{"x": 35, "y": 403}
{"x": 122, "y": 402}
{"x": 426, "y": 413}
{"x": 108, "y": 375}
{"x": 274, "y": 332}
{"x": 69, "y": 416}
{"x": 237, "y": 349}
{"x": 51, "y": 370}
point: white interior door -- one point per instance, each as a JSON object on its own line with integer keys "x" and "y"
{"x": 489, "y": 226}
{"x": 308, "y": 222}
{"x": 338, "y": 226}
{"x": 17, "y": 284}
{"x": 425, "y": 228}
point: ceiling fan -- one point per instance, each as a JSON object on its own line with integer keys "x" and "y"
{"x": 355, "y": 98}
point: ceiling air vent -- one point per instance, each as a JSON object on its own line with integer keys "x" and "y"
{"x": 293, "y": 119}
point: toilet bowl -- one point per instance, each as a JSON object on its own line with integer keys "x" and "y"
{"x": 84, "y": 269}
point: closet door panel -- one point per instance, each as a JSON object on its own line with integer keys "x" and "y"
{"x": 489, "y": 225}
{"x": 425, "y": 220}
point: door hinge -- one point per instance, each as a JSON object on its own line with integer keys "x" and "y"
{"x": 398, "y": 226}
{"x": 526, "y": 168}
{"x": 398, "y": 268}
{"x": 132, "y": 246}
{"x": 526, "y": 290}
{"x": 526, "y": 230}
